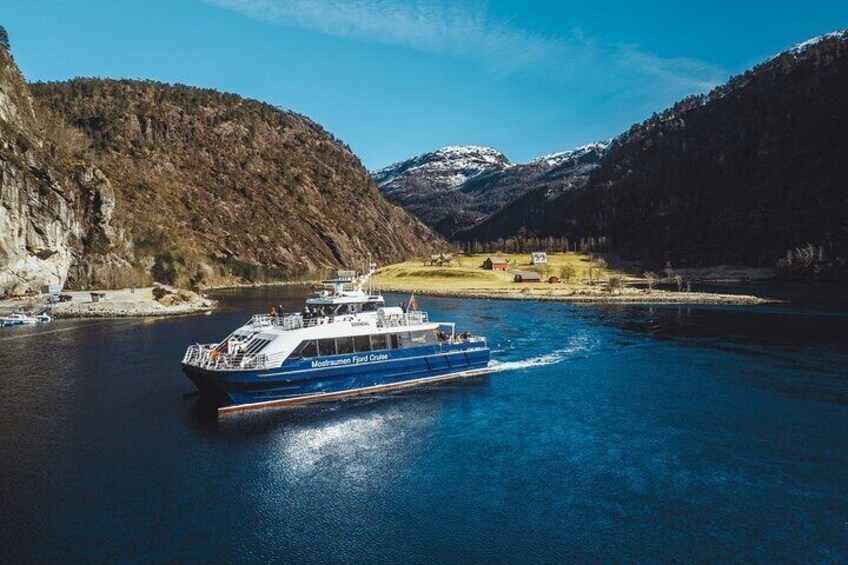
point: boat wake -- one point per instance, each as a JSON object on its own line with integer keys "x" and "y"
{"x": 578, "y": 347}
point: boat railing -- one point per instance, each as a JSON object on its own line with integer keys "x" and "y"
{"x": 208, "y": 357}
{"x": 297, "y": 321}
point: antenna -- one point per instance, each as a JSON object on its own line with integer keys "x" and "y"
{"x": 367, "y": 277}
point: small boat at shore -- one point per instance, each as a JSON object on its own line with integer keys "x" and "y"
{"x": 346, "y": 342}
{"x": 20, "y": 319}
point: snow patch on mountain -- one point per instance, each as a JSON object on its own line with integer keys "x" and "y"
{"x": 799, "y": 48}
{"x": 558, "y": 158}
{"x": 447, "y": 168}
{"x": 816, "y": 40}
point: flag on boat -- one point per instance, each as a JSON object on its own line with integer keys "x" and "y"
{"x": 413, "y": 305}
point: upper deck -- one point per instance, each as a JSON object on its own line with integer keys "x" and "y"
{"x": 298, "y": 321}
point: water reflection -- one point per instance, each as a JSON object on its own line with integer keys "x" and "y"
{"x": 202, "y": 413}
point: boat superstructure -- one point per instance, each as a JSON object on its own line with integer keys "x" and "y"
{"x": 346, "y": 341}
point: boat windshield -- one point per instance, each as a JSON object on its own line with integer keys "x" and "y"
{"x": 323, "y": 310}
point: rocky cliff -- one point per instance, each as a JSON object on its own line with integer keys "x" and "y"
{"x": 55, "y": 209}
{"x": 118, "y": 182}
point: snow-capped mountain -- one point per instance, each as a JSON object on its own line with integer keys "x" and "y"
{"x": 444, "y": 170}
{"x": 455, "y": 187}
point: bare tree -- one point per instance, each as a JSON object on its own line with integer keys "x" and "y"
{"x": 615, "y": 283}
{"x": 567, "y": 273}
{"x": 678, "y": 280}
{"x": 669, "y": 271}
{"x": 650, "y": 278}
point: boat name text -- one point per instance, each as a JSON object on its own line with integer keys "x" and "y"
{"x": 353, "y": 360}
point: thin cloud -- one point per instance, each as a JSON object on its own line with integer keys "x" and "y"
{"x": 468, "y": 31}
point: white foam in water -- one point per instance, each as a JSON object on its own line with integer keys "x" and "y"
{"x": 577, "y": 345}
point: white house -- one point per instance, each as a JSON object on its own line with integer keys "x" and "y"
{"x": 540, "y": 258}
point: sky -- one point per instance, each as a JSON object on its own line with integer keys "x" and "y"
{"x": 397, "y": 78}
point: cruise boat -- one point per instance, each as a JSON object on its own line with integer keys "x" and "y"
{"x": 345, "y": 342}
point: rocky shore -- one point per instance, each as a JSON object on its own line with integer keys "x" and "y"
{"x": 157, "y": 301}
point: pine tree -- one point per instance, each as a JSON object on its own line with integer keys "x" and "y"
{"x": 4, "y": 38}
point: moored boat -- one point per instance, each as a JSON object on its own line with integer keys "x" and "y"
{"x": 20, "y": 319}
{"x": 345, "y": 342}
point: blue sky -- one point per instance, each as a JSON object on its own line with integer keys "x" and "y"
{"x": 396, "y": 78}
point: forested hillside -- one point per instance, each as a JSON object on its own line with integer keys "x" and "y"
{"x": 213, "y": 187}
{"x": 754, "y": 173}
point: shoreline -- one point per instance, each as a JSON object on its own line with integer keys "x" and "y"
{"x": 121, "y": 303}
{"x": 657, "y": 297}
{"x": 264, "y": 284}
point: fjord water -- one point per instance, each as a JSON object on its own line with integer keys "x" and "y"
{"x": 604, "y": 433}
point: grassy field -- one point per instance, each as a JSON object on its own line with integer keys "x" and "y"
{"x": 465, "y": 277}
{"x": 465, "y": 273}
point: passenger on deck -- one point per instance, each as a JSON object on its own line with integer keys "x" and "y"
{"x": 307, "y": 313}
{"x": 273, "y": 312}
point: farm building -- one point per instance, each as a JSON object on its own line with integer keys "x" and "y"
{"x": 495, "y": 264}
{"x": 527, "y": 276}
{"x": 539, "y": 258}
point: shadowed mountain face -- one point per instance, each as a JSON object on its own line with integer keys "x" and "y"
{"x": 455, "y": 188}
{"x": 213, "y": 187}
{"x": 758, "y": 167}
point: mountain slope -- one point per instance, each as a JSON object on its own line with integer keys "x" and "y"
{"x": 454, "y": 188}
{"x": 431, "y": 185}
{"x": 213, "y": 187}
{"x": 758, "y": 167}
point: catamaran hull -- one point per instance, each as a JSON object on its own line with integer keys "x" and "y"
{"x": 336, "y": 377}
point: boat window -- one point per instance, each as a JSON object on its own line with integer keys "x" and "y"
{"x": 344, "y": 345}
{"x": 395, "y": 342}
{"x": 405, "y": 339}
{"x": 362, "y": 343}
{"x": 379, "y": 342}
{"x": 327, "y": 347}
{"x": 423, "y": 338}
{"x": 305, "y": 350}
{"x": 370, "y": 307}
{"x": 416, "y": 339}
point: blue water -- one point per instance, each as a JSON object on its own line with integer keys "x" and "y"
{"x": 604, "y": 434}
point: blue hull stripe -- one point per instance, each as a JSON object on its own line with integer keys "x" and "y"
{"x": 339, "y": 373}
